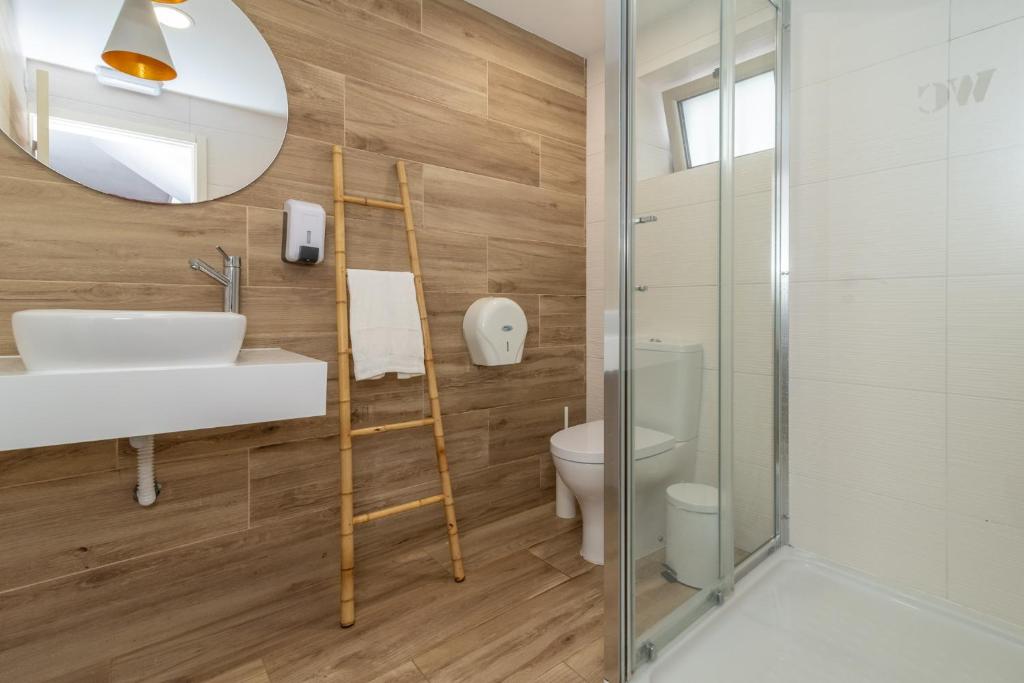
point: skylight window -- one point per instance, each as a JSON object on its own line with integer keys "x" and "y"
{"x": 755, "y": 120}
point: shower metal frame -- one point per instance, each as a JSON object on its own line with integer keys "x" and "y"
{"x": 620, "y": 638}
{"x": 618, "y": 612}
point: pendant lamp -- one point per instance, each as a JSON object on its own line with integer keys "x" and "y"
{"x": 137, "y": 46}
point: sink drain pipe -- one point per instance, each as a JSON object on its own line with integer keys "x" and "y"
{"x": 147, "y": 489}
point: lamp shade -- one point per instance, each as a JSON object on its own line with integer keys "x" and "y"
{"x": 137, "y": 46}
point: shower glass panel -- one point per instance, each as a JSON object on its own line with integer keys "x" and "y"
{"x": 700, "y": 368}
{"x": 673, "y": 378}
{"x": 748, "y": 280}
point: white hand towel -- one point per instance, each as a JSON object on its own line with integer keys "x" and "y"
{"x": 384, "y": 324}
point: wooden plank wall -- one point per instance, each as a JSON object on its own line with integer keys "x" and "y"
{"x": 491, "y": 121}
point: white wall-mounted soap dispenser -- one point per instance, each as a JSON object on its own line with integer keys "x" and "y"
{"x": 495, "y": 331}
{"x": 304, "y": 231}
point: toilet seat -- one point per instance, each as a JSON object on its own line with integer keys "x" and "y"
{"x": 585, "y": 443}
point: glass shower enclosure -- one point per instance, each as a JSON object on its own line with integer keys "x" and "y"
{"x": 695, "y": 395}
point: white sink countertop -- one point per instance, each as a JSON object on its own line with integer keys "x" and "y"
{"x": 60, "y": 407}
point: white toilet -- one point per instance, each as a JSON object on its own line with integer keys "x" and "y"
{"x": 667, "y": 391}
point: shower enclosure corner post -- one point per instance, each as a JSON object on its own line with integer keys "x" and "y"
{"x": 780, "y": 279}
{"x": 617, "y": 608}
{"x": 726, "y": 277}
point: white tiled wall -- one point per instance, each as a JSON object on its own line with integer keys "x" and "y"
{"x": 13, "y": 96}
{"x": 868, "y": 120}
{"x": 653, "y": 151}
{"x": 907, "y": 297}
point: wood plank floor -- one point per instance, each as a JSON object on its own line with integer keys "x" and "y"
{"x": 529, "y": 610}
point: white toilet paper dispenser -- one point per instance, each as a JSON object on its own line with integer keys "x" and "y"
{"x": 495, "y": 331}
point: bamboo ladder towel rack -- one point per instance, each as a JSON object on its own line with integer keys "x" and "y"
{"x": 348, "y": 520}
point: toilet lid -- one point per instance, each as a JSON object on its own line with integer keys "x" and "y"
{"x": 693, "y": 497}
{"x": 585, "y": 443}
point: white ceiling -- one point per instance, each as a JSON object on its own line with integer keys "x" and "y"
{"x": 222, "y": 58}
{"x": 576, "y": 25}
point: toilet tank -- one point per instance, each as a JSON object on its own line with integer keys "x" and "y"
{"x": 667, "y": 382}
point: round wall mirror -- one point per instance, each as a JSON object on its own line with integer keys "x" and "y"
{"x": 171, "y": 101}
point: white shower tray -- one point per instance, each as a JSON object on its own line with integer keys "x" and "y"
{"x": 798, "y": 619}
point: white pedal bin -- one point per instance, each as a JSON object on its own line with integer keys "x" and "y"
{"x": 691, "y": 541}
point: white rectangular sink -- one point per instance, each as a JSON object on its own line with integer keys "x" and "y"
{"x": 60, "y": 340}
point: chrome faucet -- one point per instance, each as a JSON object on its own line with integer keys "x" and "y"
{"x": 230, "y": 279}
